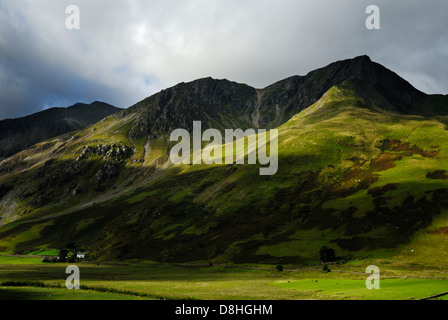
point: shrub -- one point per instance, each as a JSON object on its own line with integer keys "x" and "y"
{"x": 279, "y": 267}
{"x": 327, "y": 254}
{"x": 63, "y": 254}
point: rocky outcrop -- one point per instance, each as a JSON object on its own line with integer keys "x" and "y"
{"x": 110, "y": 170}
{"x": 118, "y": 151}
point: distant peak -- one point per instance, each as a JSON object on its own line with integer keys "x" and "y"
{"x": 77, "y": 105}
{"x": 209, "y": 79}
{"x": 363, "y": 57}
{"x": 99, "y": 103}
{"x": 358, "y": 61}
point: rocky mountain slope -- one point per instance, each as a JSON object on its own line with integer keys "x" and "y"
{"x": 225, "y": 104}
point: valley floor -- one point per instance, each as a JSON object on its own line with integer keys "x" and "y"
{"x": 29, "y": 278}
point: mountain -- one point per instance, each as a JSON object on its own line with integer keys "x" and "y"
{"x": 19, "y": 134}
{"x": 225, "y": 104}
{"x": 362, "y": 169}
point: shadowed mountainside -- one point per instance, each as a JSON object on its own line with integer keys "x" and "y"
{"x": 225, "y": 104}
{"x": 362, "y": 168}
{"x": 19, "y": 134}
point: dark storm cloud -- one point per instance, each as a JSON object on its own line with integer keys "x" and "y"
{"x": 128, "y": 50}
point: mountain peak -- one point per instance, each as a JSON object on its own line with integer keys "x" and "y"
{"x": 363, "y": 58}
{"x": 220, "y": 103}
{"x": 94, "y": 104}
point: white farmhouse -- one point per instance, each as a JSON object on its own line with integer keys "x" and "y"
{"x": 80, "y": 255}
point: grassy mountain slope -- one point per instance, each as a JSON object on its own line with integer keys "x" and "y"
{"x": 19, "y": 134}
{"x": 351, "y": 177}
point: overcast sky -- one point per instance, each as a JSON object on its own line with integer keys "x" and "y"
{"x": 127, "y": 50}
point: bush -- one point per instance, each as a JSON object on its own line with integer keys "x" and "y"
{"x": 72, "y": 259}
{"x": 279, "y": 267}
{"x": 325, "y": 268}
{"x": 327, "y": 254}
{"x": 63, "y": 255}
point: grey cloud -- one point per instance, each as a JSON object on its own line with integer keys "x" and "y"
{"x": 127, "y": 50}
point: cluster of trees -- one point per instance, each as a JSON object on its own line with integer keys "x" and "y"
{"x": 327, "y": 254}
{"x": 66, "y": 254}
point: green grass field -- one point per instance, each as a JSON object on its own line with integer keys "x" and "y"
{"x": 390, "y": 289}
{"x": 31, "y": 293}
{"x": 154, "y": 281}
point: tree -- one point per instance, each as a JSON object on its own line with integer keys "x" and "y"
{"x": 62, "y": 255}
{"x": 72, "y": 258}
{"x": 327, "y": 254}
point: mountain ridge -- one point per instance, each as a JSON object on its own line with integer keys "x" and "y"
{"x": 220, "y": 103}
{"x": 20, "y": 133}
